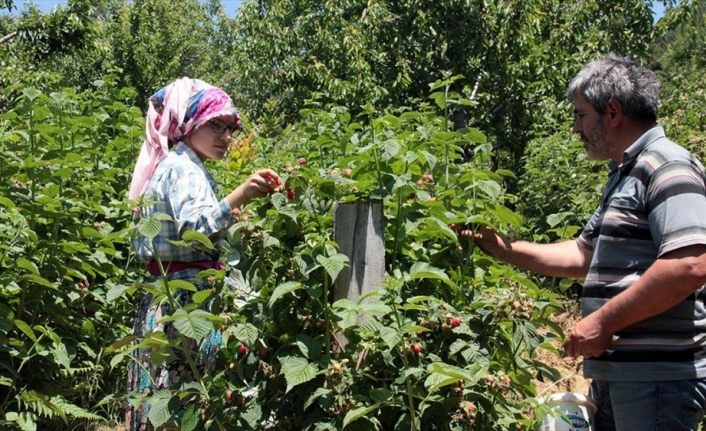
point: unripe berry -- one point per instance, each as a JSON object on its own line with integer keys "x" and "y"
{"x": 291, "y": 194}
{"x": 301, "y": 161}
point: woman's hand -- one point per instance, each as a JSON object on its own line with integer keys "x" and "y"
{"x": 260, "y": 183}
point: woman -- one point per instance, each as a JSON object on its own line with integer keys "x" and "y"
{"x": 188, "y": 121}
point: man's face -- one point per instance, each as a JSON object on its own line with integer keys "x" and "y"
{"x": 591, "y": 126}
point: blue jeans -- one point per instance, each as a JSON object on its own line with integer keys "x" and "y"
{"x": 649, "y": 406}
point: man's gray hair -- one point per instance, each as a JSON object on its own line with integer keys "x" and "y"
{"x": 614, "y": 77}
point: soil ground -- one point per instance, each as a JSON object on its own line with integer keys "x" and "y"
{"x": 571, "y": 369}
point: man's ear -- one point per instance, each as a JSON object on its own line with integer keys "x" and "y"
{"x": 614, "y": 111}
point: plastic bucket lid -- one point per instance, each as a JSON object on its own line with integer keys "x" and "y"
{"x": 573, "y": 397}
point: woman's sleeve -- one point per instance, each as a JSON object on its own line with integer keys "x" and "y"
{"x": 195, "y": 205}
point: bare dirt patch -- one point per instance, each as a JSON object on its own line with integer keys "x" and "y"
{"x": 572, "y": 379}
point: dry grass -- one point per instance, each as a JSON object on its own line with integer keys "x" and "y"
{"x": 572, "y": 379}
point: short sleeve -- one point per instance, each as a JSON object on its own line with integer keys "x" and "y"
{"x": 676, "y": 203}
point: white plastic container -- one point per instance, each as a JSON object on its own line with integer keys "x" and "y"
{"x": 572, "y": 412}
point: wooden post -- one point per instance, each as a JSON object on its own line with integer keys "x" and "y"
{"x": 357, "y": 228}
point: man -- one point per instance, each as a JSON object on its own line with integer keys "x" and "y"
{"x": 643, "y": 256}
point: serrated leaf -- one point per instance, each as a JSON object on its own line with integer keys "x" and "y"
{"x": 490, "y": 188}
{"x": 334, "y": 264}
{"x": 423, "y": 270}
{"x": 375, "y": 309}
{"x": 381, "y": 394}
{"x": 246, "y": 333}
{"x": 177, "y": 284}
{"x": 7, "y": 203}
{"x": 284, "y": 289}
{"x": 318, "y": 393}
{"x": 390, "y": 336}
{"x": 25, "y": 328}
{"x": 390, "y": 149}
{"x": 158, "y": 404}
{"x": 194, "y": 236}
{"x": 27, "y": 265}
{"x": 117, "y": 345}
{"x": 358, "y": 413}
{"x": 297, "y": 370}
{"x": 117, "y": 291}
{"x": 554, "y": 219}
{"x": 309, "y": 346}
{"x": 149, "y": 227}
{"x": 193, "y": 325}
{"x": 37, "y": 279}
{"x": 190, "y": 419}
{"x": 201, "y": 296}
{"x": 31, "y": 93}
{"x": 61, "y": 355}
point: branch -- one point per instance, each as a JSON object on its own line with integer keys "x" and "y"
{"x": 8, "y": 37}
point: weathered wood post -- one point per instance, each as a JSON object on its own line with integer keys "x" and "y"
{"x": 358, "y": 229}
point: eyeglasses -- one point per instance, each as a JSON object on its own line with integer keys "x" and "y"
{"x": 219, "y": 127}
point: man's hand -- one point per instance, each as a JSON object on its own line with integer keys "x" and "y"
{"x": 589, "y": 338}
{"x": 491, "y": 242}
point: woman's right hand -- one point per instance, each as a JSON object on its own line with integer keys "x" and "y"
{"x": 260, "y": 183}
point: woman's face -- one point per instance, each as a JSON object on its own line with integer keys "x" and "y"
{"x": 211, "y": 139}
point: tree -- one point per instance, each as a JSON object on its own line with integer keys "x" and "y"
{"x": 516, "y": 57}
{"x": 157, "y": 41}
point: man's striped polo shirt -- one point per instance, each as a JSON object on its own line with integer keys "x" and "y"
{"x": 654, "y": 203}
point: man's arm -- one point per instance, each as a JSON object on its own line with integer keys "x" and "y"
{"x": 561, "y": 259}
{"x": 666, "y": 283}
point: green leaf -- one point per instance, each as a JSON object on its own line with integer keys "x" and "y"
{"x": 284, "y": 289}
{"x": 309, "y": 346}
{"x": 390, "y": 149}
{"x": 27, "y": 265}
{"x": 554, "y": 219}
{"x": 334, "y": 264}
{"x": 61, "y": 355}
{"x": 358, "y": 413}
{"x": 297, "y": 370}
{"x": 490, "y": 188}
{"x": 247, "y": 333}
{"x": 381, "y": 394}
{"x": 423, "y": 270}
{"x": 158, "y": 404}
{"x": 149, "y": 227}
{"x": 117, "y": 291}
{"x": 193, "y": 325}
{"x": 201, "y": 296}
{"x": 190, "y": 419}
{"x": 178, "y": 284}
{"x": 31, "y": 93}
{"x": 318, "y": 393}
{"x": 36, "y": 279}
{"x": 7, "y": 203}
{"x": 194, "y": 236}
{"x": 25, "y": 328}
{"x": 390, "y": 336}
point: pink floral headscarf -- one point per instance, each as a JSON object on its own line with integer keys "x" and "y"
{"x": 173, "y": 112}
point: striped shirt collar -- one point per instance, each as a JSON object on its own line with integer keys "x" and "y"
{"x": 183, "y": 150}
{"x": 637, "y": 147}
